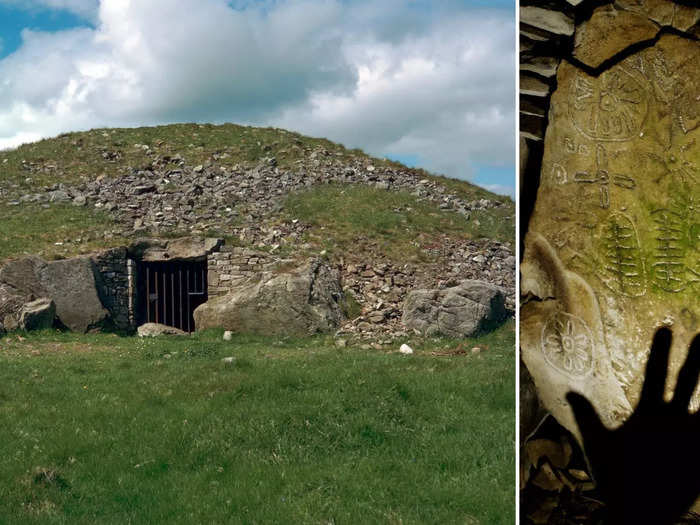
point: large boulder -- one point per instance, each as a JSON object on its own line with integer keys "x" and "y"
{"x": 19, "y": 285}
{"x": 69, "y": 283}
{"x": 303, "y": 301}
{"x": 460, "y": 311}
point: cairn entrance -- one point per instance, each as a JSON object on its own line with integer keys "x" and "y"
{"x": 170, "y": 292}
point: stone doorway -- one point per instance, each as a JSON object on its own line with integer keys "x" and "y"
{"x": 169, "y": 292}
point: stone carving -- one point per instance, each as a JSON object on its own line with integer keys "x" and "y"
{"x": 611, "y": 107}
{"x": 567, "y": 344}
{"x": 623, "y": 269}
{"x": 559, "y": 174}
{"x": 573, "y": 147}
{"x": 668, "y": 267}
{"x": 562, "y": 337}
{"x": 603, "y": 178}
{"x": 613, "y": 247}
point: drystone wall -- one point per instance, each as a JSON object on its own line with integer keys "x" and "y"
{"x": 611, "y": 195}
{"x": 229, "y": 268}
{"x": 115, "y": 286}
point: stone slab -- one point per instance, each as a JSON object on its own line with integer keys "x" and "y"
{"x": 552, "y": 21}
{"x": 608, "y": 32}
{"x": 613, "y": 248}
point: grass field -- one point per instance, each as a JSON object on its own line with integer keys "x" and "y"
{"x": 108, "y": 429}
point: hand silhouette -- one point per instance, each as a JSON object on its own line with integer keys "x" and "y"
{"x": 648, "y": 470}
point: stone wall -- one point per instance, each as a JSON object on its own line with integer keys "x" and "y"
{"x": 233, "y": 265}
{"x": 114, "y": 289}
{"x": 227, "y": 268}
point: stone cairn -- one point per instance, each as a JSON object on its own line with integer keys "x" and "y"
{"x": 173, "y": 197}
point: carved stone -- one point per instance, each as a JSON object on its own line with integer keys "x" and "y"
{"x": 613, "y": 248}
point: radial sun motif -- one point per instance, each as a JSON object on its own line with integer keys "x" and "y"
{"x": 567, "y": 344}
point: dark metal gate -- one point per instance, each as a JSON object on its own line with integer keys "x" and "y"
{"x": 170, "y": 292}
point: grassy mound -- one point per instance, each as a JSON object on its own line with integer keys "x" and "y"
{"x": 57, "y": 230}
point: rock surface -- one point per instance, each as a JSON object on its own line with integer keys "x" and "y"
{"x": 664, "y": 12}
{"x": 156, "y": 329}
{"x": 69, "y": 283}
{"x": 610, "y": 31}
{"x": 300, "y": 302}
{"x": 582, "y": 329}
{"x": 460, "y": 311}
{"x": 613, "y": 247}
{"x": 189, "y": 248}
{"x": 546, "y": 19}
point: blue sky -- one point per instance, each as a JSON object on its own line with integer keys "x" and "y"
{"x": 13, "y": 20}
{"x": 428, "y": 83}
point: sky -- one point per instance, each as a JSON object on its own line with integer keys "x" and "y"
{"x": 430, "y": 83}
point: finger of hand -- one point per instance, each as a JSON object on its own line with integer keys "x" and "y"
{"x": 589, "y": 424}
{"x": 657, "y": 368}
{"x": 688, "y": 376}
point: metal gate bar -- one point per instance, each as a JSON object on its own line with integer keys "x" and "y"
{"x": 172, "y": 292}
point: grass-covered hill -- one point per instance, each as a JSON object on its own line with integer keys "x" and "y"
{"x": 259, "y": 186}
{"x": 102, "y": 428}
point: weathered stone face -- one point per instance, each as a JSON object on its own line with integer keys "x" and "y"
{"x": 613, "y": 247}
{"x": 69, "y": 284}
{"x": 459, "y": 311}
{"x": 301, "y": 302}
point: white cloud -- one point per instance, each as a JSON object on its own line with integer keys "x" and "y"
{"x": 446, "y": 95}
{"x": 387, "y": 77}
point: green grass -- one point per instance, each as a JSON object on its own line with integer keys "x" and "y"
{"x": 107, "y": 429}
{"x": 396, "y": 223}
{"x": 29, "y": 228}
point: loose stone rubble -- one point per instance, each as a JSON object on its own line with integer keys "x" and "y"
{"x": 174, "y": 197}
